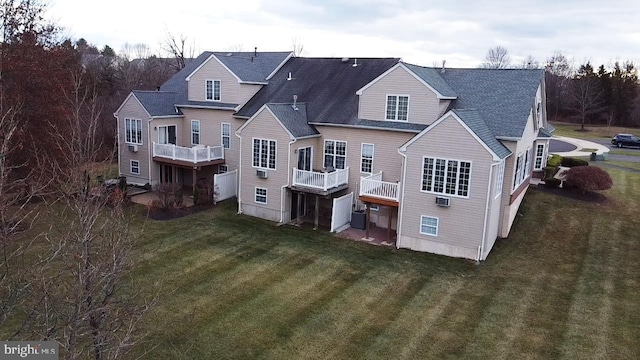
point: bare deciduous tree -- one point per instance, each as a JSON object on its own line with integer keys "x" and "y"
{"x": 178, "y": 48}
{"x": 530, "y": 63}
{"x": 88, "y": 308}
{"x": 497, "y": 58}
{"x": 586, "y": 97}
{"x": 297, "y": 48}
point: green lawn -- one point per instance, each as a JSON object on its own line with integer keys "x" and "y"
{"x": 592, "y": 131}
{"x": 565, "y": 284}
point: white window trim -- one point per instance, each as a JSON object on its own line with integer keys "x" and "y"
{"x": 255, "y": 195}
{"x": 499, "y": 179}
{"x": 221, "y": 167}
{"x": 213, "y": 90}
{"x": 167, "y": 126}
{"x": 141, "y": 132}
{"x": 386, "y": 105}
{"x": 311, "y": 152}
{"x": 275, "y": 157}
{"x": 373, "y": 154}
{"x": 199, "y": 132}
{"x": 131, "y": 167}
{"x": 541, "y": 157}
{"x": 445, "y": 171}
{"x": 222, "y": 136}
{"x": 437, "y": 225}
{"x": 521, "y": 174}
{"x": 335, "y": 148}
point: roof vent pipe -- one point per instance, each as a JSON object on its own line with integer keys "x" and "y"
{"x": 443, "y": 63}
{"x": 289, "y": 78}
{"x": 255, "y": 51}
{"x": 295, "y": 100}
{"x": 355, "y": 62}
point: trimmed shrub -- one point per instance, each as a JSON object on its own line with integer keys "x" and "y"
{"x": 573, "y": 162}
{"x": 551, "y": 182}
{"x": 549, "y": 171}
{"x": 554, "y": 160}
{"x": 589, "y": 178}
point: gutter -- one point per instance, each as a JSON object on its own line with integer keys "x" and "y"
{"x": 366, "y": 127}
{"x": 149, "y": 147}
{"x": 508, "y": 138}
{"x": 118, "y": 137}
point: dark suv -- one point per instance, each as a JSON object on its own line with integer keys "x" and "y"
{"x": 621, "y": 140}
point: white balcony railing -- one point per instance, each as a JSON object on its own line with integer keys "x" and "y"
{"x": 320, "y": 180}
{"x": 194, "y": 155}
{"x": 373, "y": 186}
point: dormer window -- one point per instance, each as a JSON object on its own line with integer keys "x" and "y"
{"x": 212, "y": 90}
{"x": 397, "y": 107}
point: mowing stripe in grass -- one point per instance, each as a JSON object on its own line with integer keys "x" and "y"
{"x": 404, "y": 336}
{"x": 275, "y": 315}
{"x": 589, "y": 314}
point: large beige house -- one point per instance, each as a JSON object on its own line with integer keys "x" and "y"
{"x": 441, "y": 157}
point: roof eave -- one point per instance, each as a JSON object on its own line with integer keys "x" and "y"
{"x": 365, "y": 127}
{"x": 206, "y": 107}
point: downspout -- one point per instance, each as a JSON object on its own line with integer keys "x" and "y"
{"x": 239, "y": 185}
{"x": 486, "y": 215}
{"x": 282, "y": 189}
{"x": 400, "y": 206}
{"x": 149, "y": 147}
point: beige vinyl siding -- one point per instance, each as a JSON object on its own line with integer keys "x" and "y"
{"x": 264, "y": 126}
{"x": 230, "y": 90}
{"x": 385, "y": 158}
{"x": 132, "y": 109}
{"x": 424, "y": 106}
{"x": 509, "y": 212}
{"x": 493, "y": 216}
{"x": 460, "y": 225}
{"x": 210, "y": 131}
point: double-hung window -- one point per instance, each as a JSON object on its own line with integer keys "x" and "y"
{"x": 366, "y": 158}
{"x": 133, "y": 131}
{"x": 449, "y": 177}
{"x": 195, "y": 132}
{"x": 539, "y": 161}
{"x": 397, "y": 107}
{"x": 429, "y": 225}
{"x": 261, "y": 195}
{"x": 225, "y": 132}
{"x": 135, "y": 167}
{"x": 264, "y": 153}
{"x": 335, "y": 154}
{"x": 523, "y": 164}
{"x": 212, "y": 90}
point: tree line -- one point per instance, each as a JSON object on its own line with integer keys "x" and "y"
{"x": 606, "y": 95}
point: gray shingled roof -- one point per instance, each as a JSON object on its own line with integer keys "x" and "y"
{"x": 432, "y": 77}
{"x": 208, "y": 104}
{"x": 502, "y": 97}
{"x": 474, "y": 121}
{"x": 544, "y": 134}
{"x": 326, "y": 85}
{"x": 174, "y": 91}
{"x": 249, "y": 67}
{"x": 294, "y": 120}
{"x": 158, "y": 103}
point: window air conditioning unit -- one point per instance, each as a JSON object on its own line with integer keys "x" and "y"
{"x": 261, "y": 173}
{"x": 133, "y": 148}
{"x": 443, "y": 201}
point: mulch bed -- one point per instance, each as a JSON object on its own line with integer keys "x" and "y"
{"x": 589, "y": 196}
{"x": 170, "y": 214}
